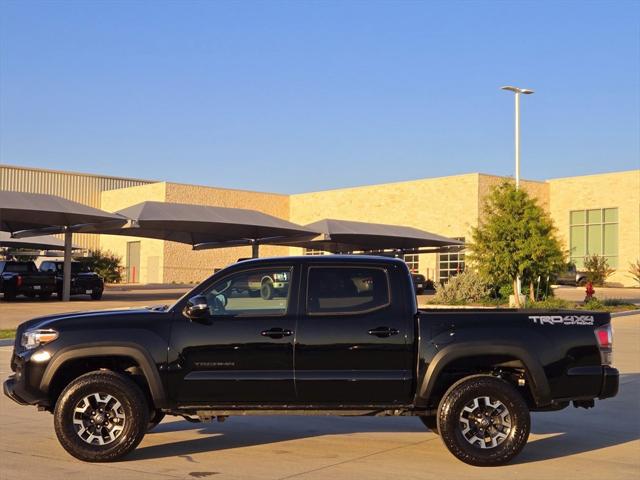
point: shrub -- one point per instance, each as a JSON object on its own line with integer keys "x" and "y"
{"x": 552, "y": 303}
{"x": 634, "y": 270}
{"x": 616, "y": 302}
{"x": 106, "y": 264}
{"x": 594, "y": 304}
{"x": 597, "y": 269}
{"x": 465, "y": 287}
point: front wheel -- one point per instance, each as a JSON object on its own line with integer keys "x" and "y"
{"x": 431, "y": 422}
{"x": 483, "y": 421}
{"x": 101, "y": 416}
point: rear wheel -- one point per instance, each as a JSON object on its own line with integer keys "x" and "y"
{"x": 96, "y": 295}
{"x": 483, "y": 421}
{"x": 45, "y": 295}
{"x": 266, "y": 290}
{"x": 9, "y": 295}
{"x": 155, "y": 418}
{"x": 101, "y": 416}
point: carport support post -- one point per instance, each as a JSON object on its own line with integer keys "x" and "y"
{"x": 255, "y": 249}
{"x": 66, "y": 271}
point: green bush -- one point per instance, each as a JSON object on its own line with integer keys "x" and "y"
{"x": 594, "y": 304}
{"x": 597, "y": 269}
{"x": 106, "y": 264}
{"x": 616, "y": 302}
{"x": 466, "y": 287}
{"x": 552, "y": 303}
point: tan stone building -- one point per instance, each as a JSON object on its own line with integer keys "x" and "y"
{"x": 594, "y": 214}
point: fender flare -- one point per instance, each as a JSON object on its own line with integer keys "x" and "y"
{"x": 99, "y": 349}
{"x": 539, "y": 383}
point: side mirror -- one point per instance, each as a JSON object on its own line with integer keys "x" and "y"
{"x": 197, "y": 308}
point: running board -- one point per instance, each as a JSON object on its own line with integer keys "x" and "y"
{"x": 210, "y": 415}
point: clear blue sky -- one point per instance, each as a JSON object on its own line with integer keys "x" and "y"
{"x": 293, "y": 96}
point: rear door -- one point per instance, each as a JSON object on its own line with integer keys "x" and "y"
{"x": 352, "y": 341}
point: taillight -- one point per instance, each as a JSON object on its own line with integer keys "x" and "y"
{"x": 604, "y": 335}
{"x": 19, "y": 281}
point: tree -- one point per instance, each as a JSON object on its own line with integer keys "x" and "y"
{"x": 515, "y": 237}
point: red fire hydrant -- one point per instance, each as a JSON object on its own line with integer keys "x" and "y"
{"x": 590, "y": 291}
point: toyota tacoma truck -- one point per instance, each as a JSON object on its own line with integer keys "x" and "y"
{"x": 346, "y": 339}
{"x": 23, "y": 278}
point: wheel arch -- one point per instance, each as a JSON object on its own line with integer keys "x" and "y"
{"x": 450, "y": 355}
{"x": 141, "y": 358}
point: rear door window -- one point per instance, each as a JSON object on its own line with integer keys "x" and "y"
{"x": 347, "y": 290}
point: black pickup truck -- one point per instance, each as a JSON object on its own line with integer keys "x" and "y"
{"x": 83, "y": 280}
{"x": 23, "y": 278}
{"x": 345, "y": 338}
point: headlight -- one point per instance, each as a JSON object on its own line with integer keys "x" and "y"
{"x": 34, "y": 338}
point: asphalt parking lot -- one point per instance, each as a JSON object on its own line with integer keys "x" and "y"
{"x": 601, "y": 443}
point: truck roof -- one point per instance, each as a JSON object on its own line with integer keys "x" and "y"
{"x": 323, "y": 259}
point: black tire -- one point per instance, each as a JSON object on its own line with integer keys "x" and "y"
{"x": 155, "y": 417}
{"x": 9, "y": 295}
{"x": 582, "y": 282}
{"x": 431, "y": 422}
{"x": 45, "y": 295}
{"x": 133, "y": 406}
{"x": 96, "y": 295}
{"x": 451, "y": 426}
{"x": 266, "y": 290}
{"x": 30, "y": 295}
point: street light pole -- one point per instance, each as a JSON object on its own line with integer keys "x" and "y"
{"x": 517, "y": 91}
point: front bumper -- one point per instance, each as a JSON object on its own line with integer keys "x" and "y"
{"x": 610, "y": 382}
{"x": 16, "y": 392}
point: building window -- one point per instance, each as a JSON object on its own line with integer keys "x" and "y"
{"x": 451, "y": 261}
{"x": 594, "y": 232}
{"x": 313, "y": 251}
{"x": 413, "y": 262}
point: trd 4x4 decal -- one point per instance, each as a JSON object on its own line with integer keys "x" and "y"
{"x": 562, "y": 319}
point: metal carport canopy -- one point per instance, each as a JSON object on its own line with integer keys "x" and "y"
{"x": 340, "y": 236}
{"x": 34, "y": 214}
{"x": 205, "y": 226}
{"x": 42, "y": 242}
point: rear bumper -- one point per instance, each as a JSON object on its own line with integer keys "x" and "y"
{"x": 610, "y": 382}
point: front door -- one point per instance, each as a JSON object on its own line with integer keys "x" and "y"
{"x": 353, "y": 344}
{"x": 242, "y": 353}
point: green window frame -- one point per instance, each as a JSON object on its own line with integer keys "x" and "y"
{"x": 593, "y": 231}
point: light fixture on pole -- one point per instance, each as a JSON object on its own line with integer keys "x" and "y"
{"x": 518, "y": 91}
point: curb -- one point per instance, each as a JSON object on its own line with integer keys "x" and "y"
{"x": 625, "y": 314}
{"x": 7, "y": 342}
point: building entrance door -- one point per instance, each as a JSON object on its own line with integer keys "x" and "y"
{"x": 133, "y": 262}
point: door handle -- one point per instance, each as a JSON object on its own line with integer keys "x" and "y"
{"x": 383, "y": 332}
{"x": 276, "y": 333}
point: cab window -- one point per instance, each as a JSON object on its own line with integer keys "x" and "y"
{"x": 347, "y": 290}
{"x": 250, "y": 293}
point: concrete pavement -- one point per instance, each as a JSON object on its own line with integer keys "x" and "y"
{"x": 601, "y": 443}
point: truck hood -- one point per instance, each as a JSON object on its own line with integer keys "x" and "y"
{"x": 114, "y": 314}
